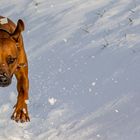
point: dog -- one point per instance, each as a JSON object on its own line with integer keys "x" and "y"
{"x": 13, "y": 61}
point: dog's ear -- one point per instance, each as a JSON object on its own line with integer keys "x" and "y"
{"x": 18, "y": 30}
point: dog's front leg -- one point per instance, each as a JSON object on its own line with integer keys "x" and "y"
{"x": 21, "y": 111}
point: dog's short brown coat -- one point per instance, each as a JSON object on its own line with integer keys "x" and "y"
{"x": 13, "y": 61}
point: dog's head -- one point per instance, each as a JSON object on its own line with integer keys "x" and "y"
{"x": 9, "y": 53}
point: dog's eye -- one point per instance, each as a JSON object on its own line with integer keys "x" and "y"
{"x": 10, "y": 60}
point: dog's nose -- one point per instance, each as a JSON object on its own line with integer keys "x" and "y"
{"x": 4, "y": 80}
{"x": 3, "y": 77}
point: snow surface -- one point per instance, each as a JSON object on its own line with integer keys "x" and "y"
{"x": 84, "y": 69}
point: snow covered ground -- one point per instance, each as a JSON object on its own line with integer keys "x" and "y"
{"x": 84, "y": 61}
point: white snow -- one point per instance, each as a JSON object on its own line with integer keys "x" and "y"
{"x": 93, "y": 83}
{"x": 52, "y": 101}
{"x": 117, "y": 111}
{"x": 65, "y": 40}
{"x": 98, "y": 135}
{"x": 84, "y": 70}
{"x": 89, "y": 89}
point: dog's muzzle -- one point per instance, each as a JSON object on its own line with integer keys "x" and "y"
{"x": 4, "y": 80}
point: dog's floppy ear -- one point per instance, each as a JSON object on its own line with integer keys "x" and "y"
{"x": 18, "y": 30}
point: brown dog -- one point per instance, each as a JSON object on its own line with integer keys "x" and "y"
{"x": 13, "y": 60}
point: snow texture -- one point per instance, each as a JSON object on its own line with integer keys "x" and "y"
{"x": 84, "y": 70}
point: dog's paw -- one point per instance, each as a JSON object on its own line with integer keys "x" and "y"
{"x": 20, "y": 115}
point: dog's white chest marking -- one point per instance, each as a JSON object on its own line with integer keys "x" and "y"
{"x": 3, "y": 21}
